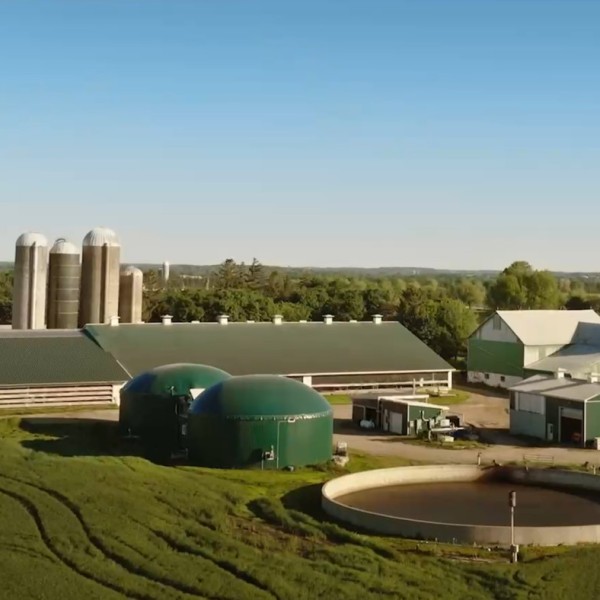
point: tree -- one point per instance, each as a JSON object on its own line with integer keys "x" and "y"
{"x": 229, "y": 275}
{"x": 255, "y": 277}
{"x": 470, "y": 291}
{"x": 6, "y": 293}
{"x": 520, "y": 287}
{"x": 456, "y": 322}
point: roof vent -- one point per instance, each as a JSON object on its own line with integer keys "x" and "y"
{"x": 277, "y": 319}
{"x": 377, "y": 319}
{"x": 328, "y": 319}
{"x": 167, "y": 320}
{"x": 593, "y": 377}
{"x": 559, "y": 374}
{"x": 195, "y": 322}
{"x": 352, "y": 321}
{"x": 249, "y": 321}
{"x": 302, "y": 321}
{"x": 113, "y": 321}
{"x": 223, "y": 319}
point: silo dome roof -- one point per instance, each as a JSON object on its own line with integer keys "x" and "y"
{"x": 100, "y": 236}
{"x": 131, "y": 270}
{"x": 62, "y": 246}
{"x": 260, "y": 396}
{"x": 30, "y": 238}
{"x": 175, "y": 380}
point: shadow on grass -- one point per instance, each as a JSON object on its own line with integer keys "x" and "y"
{"x": 76, "y": 437}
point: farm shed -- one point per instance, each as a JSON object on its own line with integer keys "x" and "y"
{"x": 261, "y": 421}
{"x": 325, "y": 355}
{"x": 557, "y": 409}
{"x": 56, "y": 368}
{"x": 511, "y": 344}
{"x": 403, "y": 415}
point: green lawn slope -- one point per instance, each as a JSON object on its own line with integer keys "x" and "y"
{"x": 82, "y": 517}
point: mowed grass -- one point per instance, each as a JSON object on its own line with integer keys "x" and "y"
{"x": 81, "y": 516}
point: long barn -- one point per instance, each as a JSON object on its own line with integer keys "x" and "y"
{"x": 325, "y": 355}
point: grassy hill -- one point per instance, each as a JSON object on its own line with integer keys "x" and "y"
{"x": 82, "y": 517}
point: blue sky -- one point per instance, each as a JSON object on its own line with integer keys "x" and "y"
{"x": 439, "y": 133}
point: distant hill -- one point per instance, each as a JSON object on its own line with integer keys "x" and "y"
{"x": 344, "y": 271}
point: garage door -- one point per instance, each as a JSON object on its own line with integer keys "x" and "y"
{"x": 396, "y": 423}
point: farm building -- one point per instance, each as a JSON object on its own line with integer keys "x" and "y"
{"x": 260, "y": 421}
{"x": 512, "y": 344}
{"x": 324, "y": 355}
{"x": 404, "y": 415}
{"x": 555, "y": 408}
{"x": 56, "y": 367}
{"x": 154, "y": 404}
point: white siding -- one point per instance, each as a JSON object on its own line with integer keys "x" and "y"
{"x": 493, "y": 379}
{"x": 534, "y": 353}
{"x": 487, "y": 331}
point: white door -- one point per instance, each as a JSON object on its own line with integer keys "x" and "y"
{"x": 396, "y": 422}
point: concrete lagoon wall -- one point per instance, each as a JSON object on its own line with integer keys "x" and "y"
{"x": 453, "y": 532}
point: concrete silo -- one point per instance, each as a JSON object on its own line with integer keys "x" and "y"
{"x": 130, "y": 295}
{"x": 166, "y": 272}
{"x": 30, "y": 279}
{"x": 63, "y": 285}
{"x": 100, "y": 273}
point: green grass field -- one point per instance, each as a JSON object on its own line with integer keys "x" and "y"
{"x": 82, "y": 517}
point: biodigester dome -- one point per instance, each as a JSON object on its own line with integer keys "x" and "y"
{"x": 154, "y": 404}
{"x": 263, "y": 421}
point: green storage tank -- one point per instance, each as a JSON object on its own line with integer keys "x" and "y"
{"x": 260, "y": 421}
{"x": 154, "y": 404}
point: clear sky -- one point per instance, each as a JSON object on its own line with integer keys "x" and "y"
{"x": 448, "y": 133}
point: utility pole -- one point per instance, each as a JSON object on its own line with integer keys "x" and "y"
{"x": 514, "y": 549}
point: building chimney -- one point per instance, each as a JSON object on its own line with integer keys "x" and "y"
{"x": 223, "y": 319}
{"x": 593, "y": 377}
{"x": 277, "y": 319}
{"x": 328, "y": 319}
{"x": 113, "y": 321}
{"x": 377, "y": 319}
{"x": 560, "y": 374}
{"x": 167, "y": 320}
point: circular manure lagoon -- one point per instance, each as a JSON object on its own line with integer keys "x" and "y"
{"x": 469, "y": 504}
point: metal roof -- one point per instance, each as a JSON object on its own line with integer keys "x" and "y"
{"x": 30, "y": 238}
{"x": 286, "y": 349}
{"x": 565, "y": 388}
{"x": 100, "y": 236}
{"x": 35, "y": 358}
{"x": 176, "y": 380}
{"x": 574, "y": 358}
{"x": 547, "y": 327}
{"x": 62, "y": 246}
{"x": 260, "y": 396}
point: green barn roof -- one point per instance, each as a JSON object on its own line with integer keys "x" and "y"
{"x": 258, "y": 397}
{"x": 286, "y": 349}
{"x": 55, "y": 358}
{"x": 177, "y": 379}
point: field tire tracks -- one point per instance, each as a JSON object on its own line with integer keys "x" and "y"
{"x": 133, "y": 569}
{"x": 33, "y": 512}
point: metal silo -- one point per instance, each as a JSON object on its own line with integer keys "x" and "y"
{"x": 130, "y": 295}
{"x": 29, "y": 295}
{"x": 63, "y": 285}
{"x": 100, "y": 273}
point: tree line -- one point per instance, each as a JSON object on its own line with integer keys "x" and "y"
{"x": 441, "y": 310}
